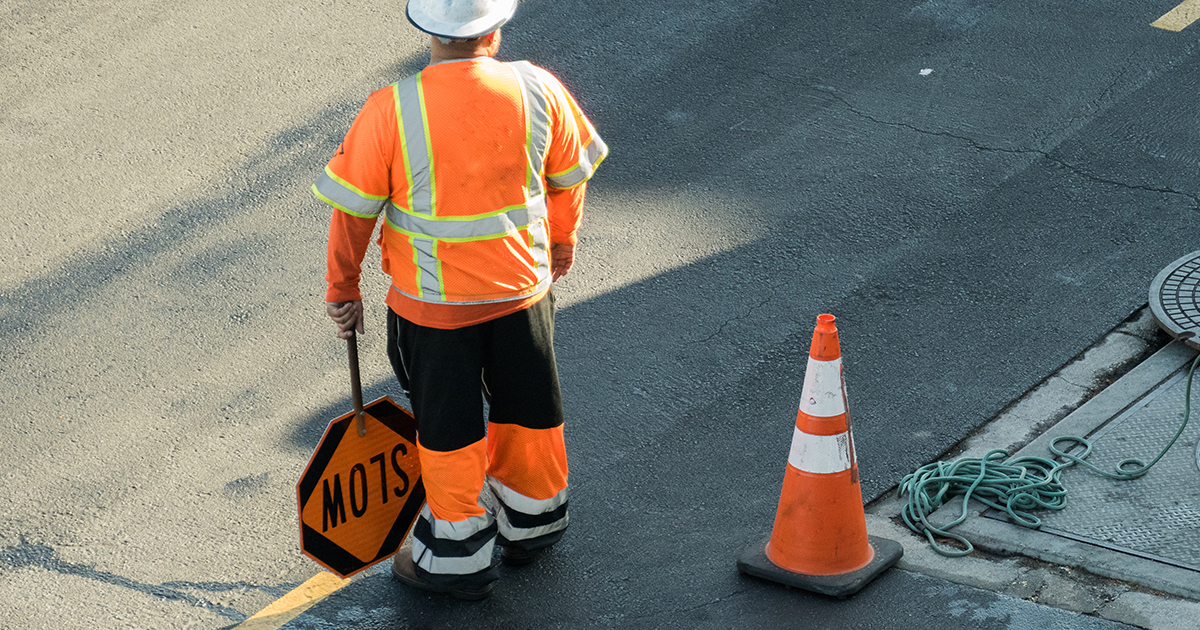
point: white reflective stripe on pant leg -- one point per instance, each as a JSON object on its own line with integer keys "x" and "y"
{"x": 456, "y": 530}
{"x": 822, "y": 397}
{"x": 820, "y": 454}
{"x": 511, "y": 532}
{"x": 522, "y": 503}
{"x": 424, "y": 557}
{"x": 510, "y": 499}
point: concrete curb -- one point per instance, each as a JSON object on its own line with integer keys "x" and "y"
{"x": 1039, "y": 566}
{"x": 1005, "y": 538}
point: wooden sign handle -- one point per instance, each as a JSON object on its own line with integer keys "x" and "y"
{"x": 356, "y": 385}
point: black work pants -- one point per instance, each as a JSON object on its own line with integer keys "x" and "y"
{"x": 509, "y": 359}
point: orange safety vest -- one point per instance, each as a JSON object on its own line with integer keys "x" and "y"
{"x": 458, "y": 158}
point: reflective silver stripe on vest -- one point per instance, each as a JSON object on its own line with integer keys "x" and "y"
{"x": 445, "y": 530}
{"x": 537, "y": 121}
{"x": 428, "y": 270}
{"x": 466, "y": 228}
{"x": 339, "y": 196}
{"x": 418, "y": 165}
{"x": 589, "y": 157}
{"x": 539, "y": 247}
{"x": 542, "y": 285}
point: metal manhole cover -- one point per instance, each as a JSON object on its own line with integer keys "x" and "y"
{"x": 1175, "y": 299}
{"x": 1154, "y": 517}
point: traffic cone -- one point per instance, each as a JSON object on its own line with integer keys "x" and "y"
{"x": 819, "y": 542}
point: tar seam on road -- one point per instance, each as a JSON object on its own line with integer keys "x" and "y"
{"x": 294, "y": 603}
{"x": 1180, "y": 17}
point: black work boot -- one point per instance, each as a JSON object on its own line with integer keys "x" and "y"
{"x": 516, "y": 557}
{"x": 523, "y": 552}
{"x": 404, "y": 570}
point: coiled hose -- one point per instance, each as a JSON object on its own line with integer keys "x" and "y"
{"x": 1018, "y": 486}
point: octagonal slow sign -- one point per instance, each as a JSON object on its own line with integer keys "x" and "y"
{"x": 359, "y": 496}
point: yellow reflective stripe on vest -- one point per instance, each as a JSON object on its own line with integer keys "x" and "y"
{"x": 412, "y": 125}
{"x": 537, "y": 143}
{"x": 342, "y": 195}
{"x": 539, "y": 246}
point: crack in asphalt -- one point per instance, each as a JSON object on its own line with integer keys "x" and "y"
{"x": 36, "y": 555}
{"x": 749, "y": 311}
{"x": 1078, "y": 170}
{"x": 1195, "y": 197}
{"x": 696, "y": 607}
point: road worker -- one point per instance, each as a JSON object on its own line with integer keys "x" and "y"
{"x": 479, "y": 168}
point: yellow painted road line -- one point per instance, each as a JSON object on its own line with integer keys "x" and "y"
{"x": 1179, "y": 17}
{"x": 291, "y": 605}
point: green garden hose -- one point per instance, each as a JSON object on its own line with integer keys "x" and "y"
{"x": 1018, "y": 486}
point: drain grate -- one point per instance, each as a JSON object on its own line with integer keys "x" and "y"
{"x": 1175, "y": 299}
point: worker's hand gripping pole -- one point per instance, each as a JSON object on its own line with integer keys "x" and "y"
{"x": 356, "y": 384}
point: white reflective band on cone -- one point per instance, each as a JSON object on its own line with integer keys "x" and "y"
{"x": 820, "y": 454}
{"x": 823, "y": 389}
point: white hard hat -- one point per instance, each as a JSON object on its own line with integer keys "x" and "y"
{"x": 460, "y": 19}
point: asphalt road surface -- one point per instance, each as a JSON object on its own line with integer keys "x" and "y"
{"x": 977, "y": 190}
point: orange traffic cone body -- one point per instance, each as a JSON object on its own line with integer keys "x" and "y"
{"x": 819, "y": 541}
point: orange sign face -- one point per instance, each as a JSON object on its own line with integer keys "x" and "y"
{"x": 359, "y": 496}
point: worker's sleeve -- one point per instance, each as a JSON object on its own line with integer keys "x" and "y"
{"x": 356, "y": 183}
{"x": 348, "y": 239}
{"x": 575, "y": 149}
{"x": 566, "y": 213}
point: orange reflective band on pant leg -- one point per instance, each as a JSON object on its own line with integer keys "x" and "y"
{"x": 453, "y": 480}
{"x": 820, "y": 527}
{"x": 532, "y": 462}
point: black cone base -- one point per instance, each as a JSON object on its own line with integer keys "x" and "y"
{"x": 754, "y": 562}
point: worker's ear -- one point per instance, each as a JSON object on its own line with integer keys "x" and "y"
{"x": 492, "y": 40}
